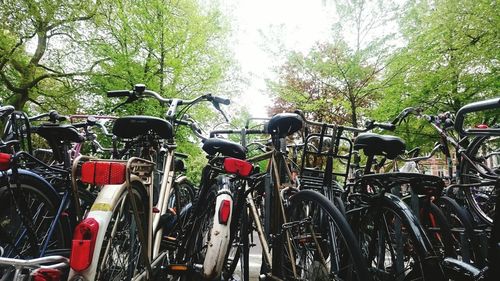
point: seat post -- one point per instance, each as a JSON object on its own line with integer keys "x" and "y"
{"x": 369, "y": 163}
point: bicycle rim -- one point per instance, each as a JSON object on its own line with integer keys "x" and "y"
{"x": 485, "y": 153}
{"x": 121, "y": 248}
{"x": 42, "y": 209}
{"x": 318, "y": 243}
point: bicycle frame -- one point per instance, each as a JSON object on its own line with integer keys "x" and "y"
{"x": 54, "y": 263}
{"x": 137, "y": 171}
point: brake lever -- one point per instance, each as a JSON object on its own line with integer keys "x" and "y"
{"x": 130, "y": 99}
{"x": 217, "y": 106}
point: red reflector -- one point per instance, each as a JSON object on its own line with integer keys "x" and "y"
{"x": 46, "y": 274}
{"x": 237, "y": 166}
{"x": 100, "y": 173}
{"x": 4, "y": 161}
{"x": 482, "y": 126}
{"x": 224, "y": 211}
{"x": 82, "y": 248}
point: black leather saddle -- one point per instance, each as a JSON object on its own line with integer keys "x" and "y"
{"x": 374, "y": 144}
{"x": 133, "y": 126}
{"x": 284, "y": 124}
{"x": 57, "y": 135}
{"x": 213, "y": 146}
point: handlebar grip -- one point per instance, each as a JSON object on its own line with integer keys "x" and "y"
{"x": 222, "y": 100}
{"x": 473, "y": 107}
{"x": 386, "y": 126}
{"x": 118, "y": 93}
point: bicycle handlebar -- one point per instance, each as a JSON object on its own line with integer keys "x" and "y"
{"x": 369, "y": 125}
{"x": 474, "y": 107}
{"x": 141, "y": 91}
{"x": 420, "y": 158}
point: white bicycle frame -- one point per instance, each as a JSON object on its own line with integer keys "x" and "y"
{"x": 19, "y": 265}
{"x": 108, "y": 199}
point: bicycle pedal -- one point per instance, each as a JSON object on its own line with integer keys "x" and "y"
{"x": 176, "y": 268}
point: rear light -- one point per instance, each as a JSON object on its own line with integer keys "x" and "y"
{"x": 482, "y": 126}
{"x": 46, "y": 274}
{"x": 83, "y": 245}
{"x": 5, "y": 161}
{"x": 100, "y": 173}
{"x": 238, "y": 167}
{"x": 224, "y": 211}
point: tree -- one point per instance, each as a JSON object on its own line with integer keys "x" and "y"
{"x": 177, "y": 48}
{"x": 451, "y": 59}
{"x": 35, "y": 37}
{"x": 341, "y": 78}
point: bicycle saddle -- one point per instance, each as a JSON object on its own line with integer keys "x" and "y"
{"x": 374, "y": 144}
{"x": 59, "y": 133}
{"x": 129, "y": 127}
{"x": 56, "y": 135}
{"x": 284, "y": 124}
{"x": 213, "y": 146}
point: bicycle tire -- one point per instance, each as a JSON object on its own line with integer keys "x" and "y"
{"x": 200, "y": 224}
{"x": 435, "y": 224}
{"x": 45, "y": 203}
{"x": 481, "y": 199}
{"x": 438, "y": 230}
{"x": 120, "y": 256}
{"x": 322, "y": 243}
{"x": 182, "y": 194}
{"x": 461, "y": 224}
{"x": 393, "y": 243}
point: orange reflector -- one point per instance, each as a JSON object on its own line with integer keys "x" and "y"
{"x": 178, "y": 267}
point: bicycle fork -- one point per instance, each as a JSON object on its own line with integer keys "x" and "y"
{"x": 218, "y": 242}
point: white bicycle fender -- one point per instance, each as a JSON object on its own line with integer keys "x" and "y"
{"x": 219, "y": 240}
{"x": 101, "y": 211}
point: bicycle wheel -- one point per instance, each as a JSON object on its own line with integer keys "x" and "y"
{"x": 197, "y": 239}
{"x": 463, "y": 239}
{"x": 437, "y": 227}
{"x": 395, "y": 247}
{"x": 318, "y": 243}
{"x": 182, "y": 194}
{"x": 39, "y": 206}
{"x": 485, "y": 155}
{"x": 120, "y": 257}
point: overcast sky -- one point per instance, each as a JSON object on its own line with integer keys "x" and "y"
{"x": 298, "y": 24}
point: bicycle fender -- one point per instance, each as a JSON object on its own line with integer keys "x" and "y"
{"x": 181, "y": 179}
{"x": 459, "y": 270}
{"x": 219, "y": 235}
{"x": 394, "y": 202}
{"x": 101, "y": 211}
{"x": 39, "y": 180}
